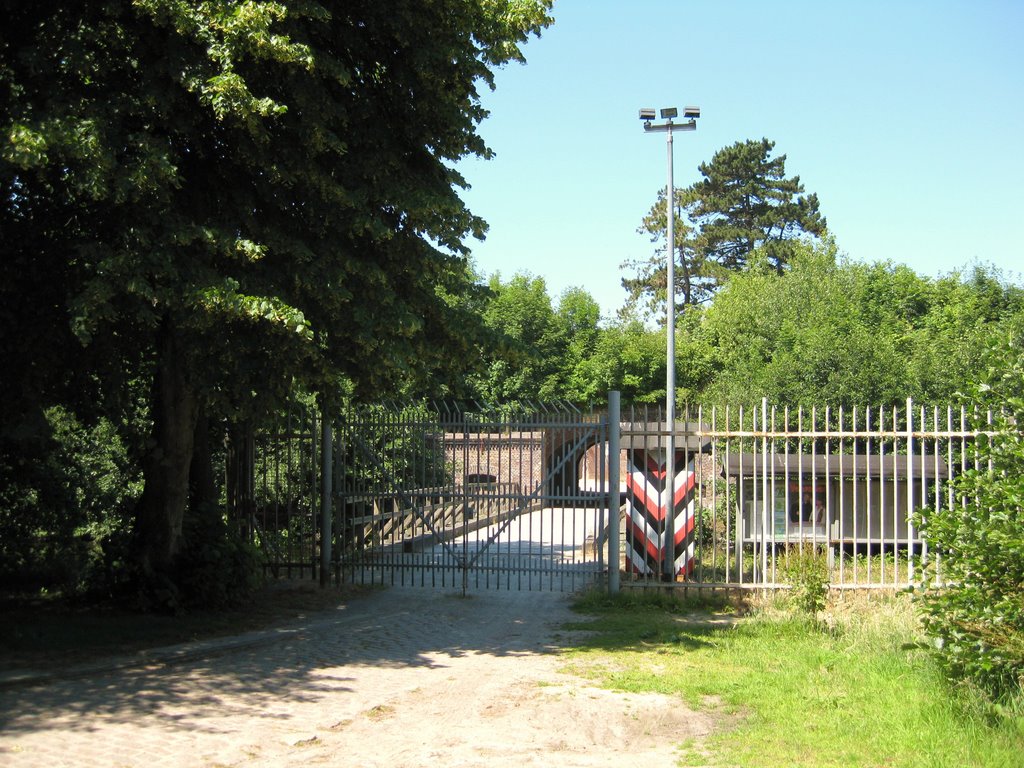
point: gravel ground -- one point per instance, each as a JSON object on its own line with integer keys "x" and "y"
{"x": 402, "y": 677}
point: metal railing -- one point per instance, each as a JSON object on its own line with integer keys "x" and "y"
{"x": 444, "y": 497}
{"x": 522, "y": 497}
{"x": 768, "y": 487}
{"x": 271, "y": 489}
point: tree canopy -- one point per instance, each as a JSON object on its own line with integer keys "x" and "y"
{"x": 828, "y": 331}
{"x": 977, "y": 616}
{"x": 537, "y": 349}
{"x": 744, "y": 203}
{"x": 238, "y": 196}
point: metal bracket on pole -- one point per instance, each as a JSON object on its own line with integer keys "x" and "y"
{"x": 690, "y": 125}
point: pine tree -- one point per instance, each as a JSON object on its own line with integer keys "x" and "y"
{"x": 743, "y": 203}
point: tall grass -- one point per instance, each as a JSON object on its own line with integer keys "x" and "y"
{"x": 851, "y": 687}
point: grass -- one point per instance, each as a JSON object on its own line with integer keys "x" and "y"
{"x": 853, "y": 687}
{"x": 42, "y": 632}
{"x": 890, "y": 568}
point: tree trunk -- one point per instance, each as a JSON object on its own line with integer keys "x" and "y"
{"x": 175, "y": 408}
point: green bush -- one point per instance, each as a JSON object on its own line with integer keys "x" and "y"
{"x": 67, "y": 490}
{"x": 977, "y": 617}
{"x": 806, "y": 570}
{"x": 217, "y": 567}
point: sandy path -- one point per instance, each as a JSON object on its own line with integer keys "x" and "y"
{"x": 405, "y": 677}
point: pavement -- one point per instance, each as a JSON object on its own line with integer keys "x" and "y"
{"x": 321, "y": 691}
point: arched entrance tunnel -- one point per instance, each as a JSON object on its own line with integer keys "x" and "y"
{"x": 572, "y": 466}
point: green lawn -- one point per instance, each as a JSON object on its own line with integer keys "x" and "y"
{"x": 855, "y": 688}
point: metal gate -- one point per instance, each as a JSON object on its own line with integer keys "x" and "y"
{"x": 518, "y": 498}
{"x": 511, "y": 499}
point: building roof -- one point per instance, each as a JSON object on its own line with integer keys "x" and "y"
{"x": 887, "y": 467}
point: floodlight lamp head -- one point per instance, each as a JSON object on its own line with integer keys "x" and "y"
{"x": 691, "y": 112}
{"x": 646, "y": 114}
{"x": 669, "y": 112}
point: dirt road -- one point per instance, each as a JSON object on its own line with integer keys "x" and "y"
{"x": 403, "y": 677}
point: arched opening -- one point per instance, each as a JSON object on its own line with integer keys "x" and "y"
{"x": 572, "y": 462}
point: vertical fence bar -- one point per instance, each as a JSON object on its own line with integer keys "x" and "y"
{"x": 883, "y": 495}
{"x": 791, "y": 472}
{"x": 814, "y": 476}
{"x": 909, "y": 491}
{"x": 922, "y": 500}
{"x": 338, "y": 471}
{"x": 764, "y": 488}
{"x": 841, "y": 517}
{"x": 895, "y": 496}
{"x": 742, "y": 530}
{"x": 326, "y": 493}
{"x": 614, "y": 497}
{"x": 768, "y": 425}
{"x": 869, "y": 488}
{"x": 936, "y": 488}
{"x": 854, "y": 496}
{"x": 827, "y": 511}
{"x": 800, "y": 479}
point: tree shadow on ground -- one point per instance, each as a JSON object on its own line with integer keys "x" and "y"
{"x": 640, "y": 621}
{"x": 301, "y": 663}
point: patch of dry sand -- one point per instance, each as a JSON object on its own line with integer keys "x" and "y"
{"x": 503, "y": 711}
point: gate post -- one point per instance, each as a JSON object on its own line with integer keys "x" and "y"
{"x": 326, "y": 491}
{"x": 614, "y": 450}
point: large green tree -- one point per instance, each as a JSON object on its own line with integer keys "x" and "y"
{"x": 696, "y": 280}
{"x": 800, "y": 338}
{"x": 538, "y": 349}
{"x": 235, "y": 196}
{"x": 744, "y": 202}
{"x": 520, "y": 354}
{"x": 828, "y": 331}
{"x": 577, "y": 333}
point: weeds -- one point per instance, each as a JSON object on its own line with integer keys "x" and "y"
{"x": 806, "y": 569}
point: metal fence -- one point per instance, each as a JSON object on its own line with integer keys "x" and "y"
{"x": 761, "y": 492}
{"x": 272, "y": 489}
{"x": 532, "y": 498}
{"x": 507, "y": 499}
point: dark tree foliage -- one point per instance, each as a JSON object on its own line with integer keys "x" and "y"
{"x": 230, "y": 199}
{"x": 695, "y": 280}
{"x": 745, "y": 201}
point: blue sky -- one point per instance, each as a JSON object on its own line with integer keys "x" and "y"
{"x": 905, "y": 117}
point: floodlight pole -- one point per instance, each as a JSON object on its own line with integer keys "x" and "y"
{"x": 668, "y": 495}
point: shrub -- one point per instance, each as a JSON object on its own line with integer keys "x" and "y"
{"x": 806, "y": 570}
{"x": 977, "y": 618}
{"x": 67, "y": 489}
{"x": 217, "y": 567}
